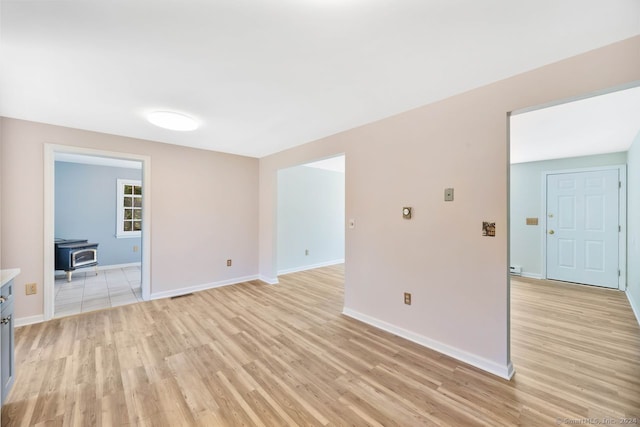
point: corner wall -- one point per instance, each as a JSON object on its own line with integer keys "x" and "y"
{"x": 633, "y": 226}
{"x": 458, "y": 278}
{"x": 203, "y": 209}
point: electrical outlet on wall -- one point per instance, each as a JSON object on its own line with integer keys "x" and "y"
{"x": 407, "y": 298}
{"x": 306, "y": 251}
{"x": 31, "y": 288}
{"x": 228, "y": 263}
{"x": 136, "y": 248}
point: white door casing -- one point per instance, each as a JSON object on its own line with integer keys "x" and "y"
{"x": 583, "y": 227}
{"x": 49, "y": 210}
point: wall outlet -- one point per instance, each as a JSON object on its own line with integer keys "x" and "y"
{"x": 228, "y": 263}
{"x": 136, "y": 248}
{"x": 306, "y": 251}
{"x": 448, "y": 194}
{"x": 407, "y": 298}
{"x": 31, "y": 288}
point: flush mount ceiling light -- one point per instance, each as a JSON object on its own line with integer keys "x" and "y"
{"x": 172, "y": 121}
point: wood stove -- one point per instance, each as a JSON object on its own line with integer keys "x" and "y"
{"x": 72, "y": 254}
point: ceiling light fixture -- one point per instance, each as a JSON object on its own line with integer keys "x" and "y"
{"x": 173, "y": 121}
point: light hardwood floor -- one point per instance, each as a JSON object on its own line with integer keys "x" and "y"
{"x": 254, "y": 354}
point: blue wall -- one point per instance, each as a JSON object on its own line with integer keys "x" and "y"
{"x": 85, "y": 208}
{"x": 526, "y": 201}
{"x": 633, "y": 226}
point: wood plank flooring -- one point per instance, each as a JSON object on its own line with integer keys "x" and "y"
{"x": 254, "y": 354}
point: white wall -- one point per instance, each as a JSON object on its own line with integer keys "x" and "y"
{"x": 203, "y": 209}
{"x": 310, "y": 217}
{"x": 526, "y": 202}
{"x": 458, "y": 278}
{"x": 633, "y": 226}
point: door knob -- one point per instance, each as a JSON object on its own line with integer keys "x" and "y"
{"x": 5, "y": 320}
{"x": 552, "y": 232}
{"x": 2, "y": 299}
{"x": 550, "y": 215}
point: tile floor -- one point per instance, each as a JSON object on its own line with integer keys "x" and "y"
{"x": 88, "y": 291}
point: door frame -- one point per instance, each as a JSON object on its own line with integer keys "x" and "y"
{"x": 49, "y": 217}
{"x": 622, "y": 217}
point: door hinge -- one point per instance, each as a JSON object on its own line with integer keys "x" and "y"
{"x": 619, "y": 228}
{"x": 619, "y": 184}
{"x": 619, "y": 274}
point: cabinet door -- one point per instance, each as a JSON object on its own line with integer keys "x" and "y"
{"x": 6, "y": 355}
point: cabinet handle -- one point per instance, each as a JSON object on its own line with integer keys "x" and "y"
{"x": 6, "y": 320}
{"x": 2, "y": 299}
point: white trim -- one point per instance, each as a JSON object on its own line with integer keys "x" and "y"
{"x": 118, "y": 266}
{"x": 531, "y": 275}
{"x": 310, "y": 266}
{"x": 268, "y": 280}
{"x": 635, "y": 306}
{"x": 622, "y": 217}
{"x": 622, "y": 235}
{"x": 204, "y": 286}
{"x": 503, "y": 371}
{"x": 108, "y": 267}
{"x": 50, "y": 151}
{"x": 29, "y": 320}
{"x": 49, "y": 231}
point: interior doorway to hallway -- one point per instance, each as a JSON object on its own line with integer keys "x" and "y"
{"x": 311, "y": 215}
{"x": 567, "y": 214}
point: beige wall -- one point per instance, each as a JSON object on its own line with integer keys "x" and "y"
{"x": 458, "y": 278}
{"x": 203, "y": 208}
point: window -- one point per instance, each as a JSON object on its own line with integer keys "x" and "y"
{"x": 129, "y": 215}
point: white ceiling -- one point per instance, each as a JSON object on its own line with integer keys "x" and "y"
{"x": 334, "y": 164}
{"x": 97, "y": 160}
{"x": 262, "y": 75}
{"x": 601, "y": 124}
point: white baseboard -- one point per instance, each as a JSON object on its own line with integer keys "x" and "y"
{"x": 269, "y": 280}
{"x": 503, "y": 371}
{"x": 205, "y": 286}
{"x": 531, "y": 275}
{"x": 118, "y": 266}
{"x": 103, "y": 267}
{"x": 635, "y": 305}
{"x": 29, "y": 320}
{"x": 310, "y": 266}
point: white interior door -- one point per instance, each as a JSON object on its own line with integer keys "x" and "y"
{"x": 582, "y": 227}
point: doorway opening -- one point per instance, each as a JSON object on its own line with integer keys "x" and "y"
{"x": 567, "y": 188}
{"x": 311, "y": 215}
{"x": 81, "y": 207}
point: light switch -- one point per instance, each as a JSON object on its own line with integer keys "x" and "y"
{"x": 448, "y": 194}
